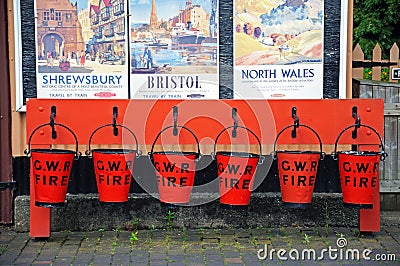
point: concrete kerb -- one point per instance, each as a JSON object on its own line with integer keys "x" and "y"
{"x": 84, "y": 212}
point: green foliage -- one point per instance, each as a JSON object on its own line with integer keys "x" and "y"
{"x": 134, "y": 237}
{"x": 376, "y": 21}
{"x": 306, "y": 239}
{"x": 385, "y": 75}
{"x": 170, "y": 219}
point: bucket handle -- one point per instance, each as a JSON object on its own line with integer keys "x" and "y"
{"x": 28, "y": 150}
{"x": 299, "y": 125}
{"x": 383, "y": 153}
{"x": 261, "y": 159}
{"x": 174, "y": 127}
{"x": 138, "y": 152}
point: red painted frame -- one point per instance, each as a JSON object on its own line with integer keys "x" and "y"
{"x": 206, "y": 118}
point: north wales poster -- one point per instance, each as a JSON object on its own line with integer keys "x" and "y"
{"x": 278, "y": 49}
{"x": 174, "y": 49}
{"x": 81, "y": 48}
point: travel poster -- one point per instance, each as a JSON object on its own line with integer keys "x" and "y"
{"x": 81, "y": 49}
{"x": 278, "y": 49}
{"x": 174, "y": 49}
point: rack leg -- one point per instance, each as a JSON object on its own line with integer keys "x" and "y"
{"x": 370, "y": 219}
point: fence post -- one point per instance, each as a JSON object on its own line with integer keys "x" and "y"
{"x": 394, "y": 57}
{"x": 376, "y": 57}
{"x": 358, "y": 55}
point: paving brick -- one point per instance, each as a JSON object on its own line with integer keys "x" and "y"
{"x": 193, "y": 238}
{"x": 88, "y": 258}
{"x": 158, "y": 262}
{"x": 121, "y": 259}
{"x": 268, "y": 263}
{"x": 140, "y": 263}
{"x": 230, "y": 254}
{"x": 176, "y": 264}
{"x": 252, "y": 263}
{"x": 212, "y": 251}
{"x": 6, "y": 260}
{"x": 98, "y": 260}
{"x": 176, "y": 258}
{"x": 218, "y": 247}
{"x": 63, "y": 261}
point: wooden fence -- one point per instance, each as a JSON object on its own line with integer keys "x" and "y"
{"x": 390, "y": 93}
{"x": 376, "y": 63}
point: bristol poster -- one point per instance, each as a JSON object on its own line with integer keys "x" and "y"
{"x": 174, "y": 49}
{"x": 278, "y": 49}
{"x": 81, "y": 49}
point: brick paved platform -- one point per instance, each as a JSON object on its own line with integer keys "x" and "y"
{"x": 180, "y": 246}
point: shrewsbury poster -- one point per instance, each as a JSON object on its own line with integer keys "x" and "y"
{"x": 81, "y": 48}
{"x": 174, "y": 49}
{"x": 278, "y": 49}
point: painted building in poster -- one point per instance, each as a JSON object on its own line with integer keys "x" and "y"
{"x": 108, "y": 26}
{"x": 153, "y": 17}
{"x": 58, "y": 28}
{"x": 193, "y": 16}
{"x": 84, "y": 19}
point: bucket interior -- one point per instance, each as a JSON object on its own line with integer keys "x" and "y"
{"x": 55, "y": 151}
{"x": 360, "y": 153}
{"x": 298, "y": 152}
{"x": 113, "y": 151}
{"x": 238, "y": 154}
{"x": 185, "y": 153}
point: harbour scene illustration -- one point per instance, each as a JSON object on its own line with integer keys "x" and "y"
{"x": 278, "y": 32}
{"x": 174, "y": 37}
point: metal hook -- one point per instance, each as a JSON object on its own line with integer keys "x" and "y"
{"x": 53, "y": 114}
{"x": 296, "y": 122}
{"x": 235, "y": 122}
{"x": 114, "y": 120}
{"x": 175, "y": 113}
{"x": 357, "y": 122}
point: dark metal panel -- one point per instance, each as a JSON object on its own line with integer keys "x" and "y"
{"x": 83, "y": 179}
{"x": 28, "y": 49}
{"x": 332, "y": 48}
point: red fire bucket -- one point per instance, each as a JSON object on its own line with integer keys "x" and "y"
{"x": 113, "y": 169}
{"x": 236, "y": 172}
{"x": 51, "y": 169}
{"x": 175, "y": 171}
{"x": 297, "y": 172}
{"x": 359, "y": 173}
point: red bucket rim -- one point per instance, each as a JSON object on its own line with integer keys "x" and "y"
{"x": 361, "y": 153}
{"x": 298, "y": 152}
{"x": 113, "y": 151}
{"x": 238, "y": 154}
{"x": 58, "y": 151}
{"x": 175, "y": 153}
